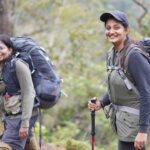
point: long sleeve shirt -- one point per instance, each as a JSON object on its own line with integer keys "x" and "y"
{"x": 139, "y": 68}
{"x": 27, "y": 91}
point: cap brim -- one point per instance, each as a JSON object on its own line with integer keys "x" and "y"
{"x": 104, "y": 17}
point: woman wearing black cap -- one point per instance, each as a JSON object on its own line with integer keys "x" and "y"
{"x": 128, "y": 85}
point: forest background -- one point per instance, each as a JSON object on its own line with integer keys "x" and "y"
{"x": 74, "y": 38}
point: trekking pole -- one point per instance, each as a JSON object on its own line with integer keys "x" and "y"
{"x": 93, "y": 125}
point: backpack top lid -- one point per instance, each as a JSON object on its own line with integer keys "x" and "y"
{"x": 145, "y": 42}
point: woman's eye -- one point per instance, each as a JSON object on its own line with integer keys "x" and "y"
{"x": 116, "y": 28}
{"x": 1, "y": 48}
{"x": 108, "y": 28}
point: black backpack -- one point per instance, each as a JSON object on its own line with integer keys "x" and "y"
{"x": 145, "y": 42}
{"x": 45, "y": 78}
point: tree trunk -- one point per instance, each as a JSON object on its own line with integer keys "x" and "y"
{"x": 7, "y": 8}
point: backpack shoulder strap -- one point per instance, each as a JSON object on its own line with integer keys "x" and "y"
{"x": 109, "y": 57}
{"x": 132, "y": 48}
{"x": 24, "y": 56}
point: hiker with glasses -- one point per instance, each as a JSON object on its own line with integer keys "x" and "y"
{"x": 128, "y": 94}
{"x": 17, "y": 99}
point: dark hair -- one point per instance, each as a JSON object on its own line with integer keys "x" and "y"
{"x": 6, "y": 40}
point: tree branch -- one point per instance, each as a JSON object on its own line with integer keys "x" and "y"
{"x": 145, "y": 11}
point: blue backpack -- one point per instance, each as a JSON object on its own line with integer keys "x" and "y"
{"x": 45, "y": 78}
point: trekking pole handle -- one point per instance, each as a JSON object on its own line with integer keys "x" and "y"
{"x": 94, "y": 102}
{"x": 93, "y": 119}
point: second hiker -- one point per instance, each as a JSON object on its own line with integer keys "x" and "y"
{"x": 128, "y": 84}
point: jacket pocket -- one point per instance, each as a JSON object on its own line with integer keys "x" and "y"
{"x": 127, "y": 125}
{"x": 12, "y": 104}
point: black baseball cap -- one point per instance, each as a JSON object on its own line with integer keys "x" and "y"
{"x": 116, "y": 14}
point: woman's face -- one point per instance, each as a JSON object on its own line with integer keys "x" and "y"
{"x": 5, "y": 52}
{"x": 115, "y": 32}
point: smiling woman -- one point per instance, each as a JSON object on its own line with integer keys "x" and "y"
{"x": 128, "y": 81}
{"x": 5, "y": 52}
{"x": 116, "y": 28}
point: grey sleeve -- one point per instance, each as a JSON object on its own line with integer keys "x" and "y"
{"x": 27, "y": 91}
{"x": 105, "y": 99}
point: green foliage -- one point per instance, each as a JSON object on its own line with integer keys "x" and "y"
{"x": 66, "y": 115}
{"x": 146, "y": 29}
{"x": 76, "y": 145}
{"x": 37, "y": 128}
{"x": 65, "y": 130}
{"x": 43, "y": 129}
